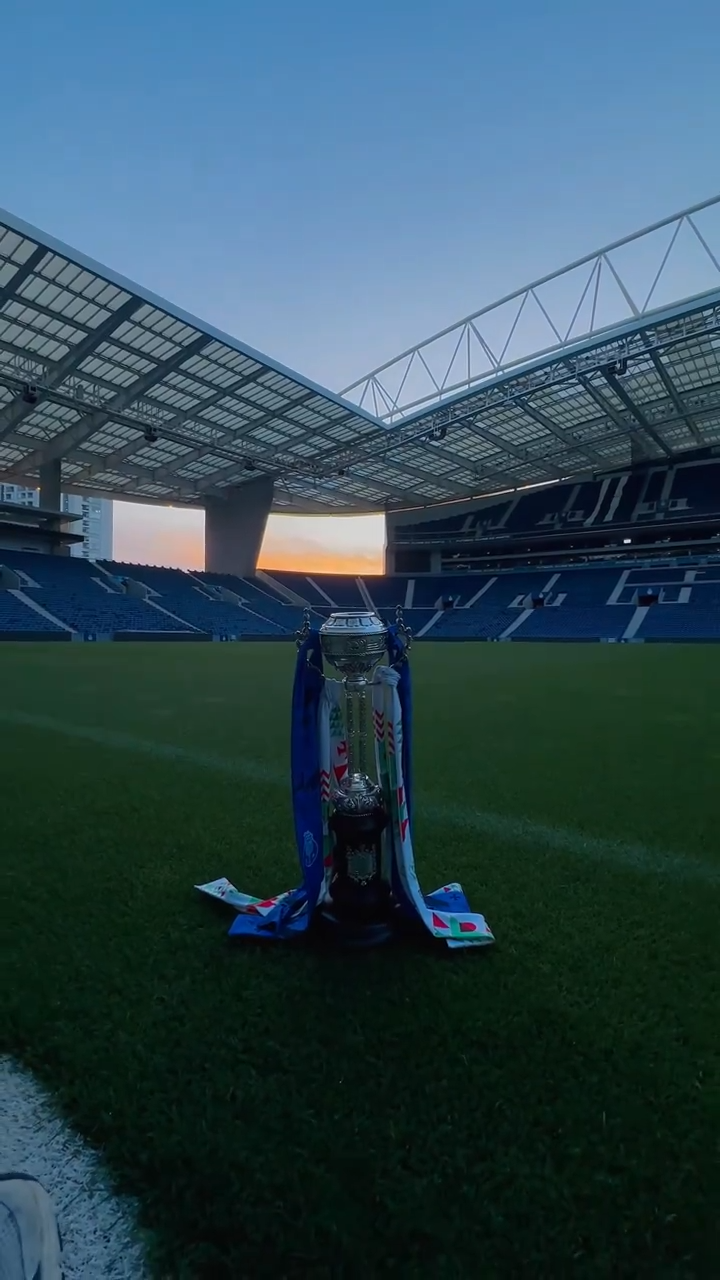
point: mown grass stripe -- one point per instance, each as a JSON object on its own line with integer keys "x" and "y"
{"x": 512, "y": 829}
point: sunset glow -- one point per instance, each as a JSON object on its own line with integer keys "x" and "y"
{"x": 174, "y": 537}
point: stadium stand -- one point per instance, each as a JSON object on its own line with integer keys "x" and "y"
{"x": 583, "y": 588}
{"x": 588, "y": 623}
{"x": 473, "y": 624}
{"x": 695, "y": 491}
{"x": 429, "y": 592}
{"x": 18, "y": 618}
{"x": 77, "y": 594}
{"x": 299, "y": 584}
{"x": 338, "y": 591}
{"x": 189, "y": 599}
{"x": 327, "y": 591}
{"x": 257, "y": 599}
{"x": 80, "y": 599}
{"x": 386, "y": 593}
{"x": 674, "y": 505}
{"x": 677, "y": 622}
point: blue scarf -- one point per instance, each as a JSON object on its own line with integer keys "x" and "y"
{"x": 397, "y": 652}
{"x": 293, "y": 915}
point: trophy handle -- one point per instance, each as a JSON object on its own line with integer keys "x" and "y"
{"x": 402, "y": 627}
{"x": 302, "y": 635}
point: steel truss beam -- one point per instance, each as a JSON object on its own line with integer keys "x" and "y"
{"x": 22, "y": 273}
{"x": 91, "y": 422}
{"x": 608, "y": 410}
{"x": 481, "y": 471}
{"x": 151, "y": 411}
{"x": 674, "y": 395}
{"x": 387, "y": 442}
{"x": 140, "y": 413}
{"x": 577, "y": 446}
{"x": 312, "y": 473}
{"x": 702, "y": 403}
{"x": 522, "y": 453}
{"x": 56, "y": 372}
{"x": 465, "y": 353}
{"x": 168, "y": 426}
{"x": 326, "y": 470}
{"x": 576, "y": 366}
{"x": 272, "y": 463}
{"x": 99, "y": 402}
{"x": 636, "y": 412}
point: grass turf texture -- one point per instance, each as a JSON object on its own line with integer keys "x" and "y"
{"x": 546, "y": 1108}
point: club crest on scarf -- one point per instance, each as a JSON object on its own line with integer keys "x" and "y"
{"x": 310, "y": 848}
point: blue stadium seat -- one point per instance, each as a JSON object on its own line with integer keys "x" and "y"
{"x": 185, "y": 596}
{"x": 680, "y": 622}
{"x": 386, "y": 593}
{"x": 587, "y": 623}
{"x": 300, "y": 584}
{"x": 583, "y": 587}
{"x": 279, "y": 617}
{"x": 77, "y": 592}
{"x": 476, "y": 624}
{"x": 16, "y": 616}
{"x": 89, "y": 599}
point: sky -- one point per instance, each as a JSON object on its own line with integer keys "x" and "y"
{"x": 331, "y": 183}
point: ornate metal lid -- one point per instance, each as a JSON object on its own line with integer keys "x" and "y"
{"x": 354, "y": 641}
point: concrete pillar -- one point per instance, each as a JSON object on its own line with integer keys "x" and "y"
{"x": 639, "y": 450}
{"x": 50, "y": 479}
{"x": 235, "y": 526}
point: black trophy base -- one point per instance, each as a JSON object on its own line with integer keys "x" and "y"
{"x": 358, "y": 910}
{"x": 353, "y": 934}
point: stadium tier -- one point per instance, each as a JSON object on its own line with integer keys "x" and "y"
{"x": 55, "y": 597}
{"x": 685, "y": 492}
{"x": 675, "y": 505}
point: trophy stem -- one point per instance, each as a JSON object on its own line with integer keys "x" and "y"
{"x": 358, "y": 907}
{"x": 356, "y": 723}
{"x": 362, "y": 728}
{"x": 351, "y": 731}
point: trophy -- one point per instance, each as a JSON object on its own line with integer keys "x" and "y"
{"x": 358, "y": 905}
{"x": 353, "y": 834}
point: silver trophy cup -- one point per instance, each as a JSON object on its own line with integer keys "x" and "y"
{"x": 359, "y": 907}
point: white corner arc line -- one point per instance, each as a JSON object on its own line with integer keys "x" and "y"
{"x": 98, "y": 1228}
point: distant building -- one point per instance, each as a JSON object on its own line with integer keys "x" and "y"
{"x": 96, "y": 527}
{"x": 97, "y": 519}
{"x": 18, "y": 493}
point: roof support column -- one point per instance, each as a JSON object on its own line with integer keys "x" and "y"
{"x": 235, "y": 526}
{"x": 50, "y": 480}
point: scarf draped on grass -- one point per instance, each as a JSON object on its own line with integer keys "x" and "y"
{"x": 318, "y": 764}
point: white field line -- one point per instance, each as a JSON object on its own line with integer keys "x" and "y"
{"x": 543, "y": 837}
{"x": 97, "y": 1227}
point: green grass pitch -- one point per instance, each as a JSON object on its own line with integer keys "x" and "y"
{"x": 545, "y": 1108}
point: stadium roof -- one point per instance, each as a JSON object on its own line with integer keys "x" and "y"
{"x": 144, "y": 402}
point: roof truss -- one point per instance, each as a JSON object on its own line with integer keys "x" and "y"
{"x": 142, "y": 401}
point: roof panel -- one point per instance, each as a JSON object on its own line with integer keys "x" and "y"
{"x": 103, "y": 377}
